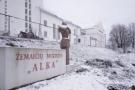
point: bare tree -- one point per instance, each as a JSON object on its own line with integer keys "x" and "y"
{"x": 132, "y": 34}
{"x": 119, "y": 36}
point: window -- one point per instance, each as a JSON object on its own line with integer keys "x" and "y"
{"x": 58, "y": 33}
{"x": 29, "y": 6}
{"x": 79, "y": 40}
{"x": 54, "y": 31}
{"x": 30, "y": 26}
{"x": 30, "y": 12}
{"x": 74, "y": 31}
{"x": 6, "y": 1}
{"x": 26, "y": 25}
{"x": 26, "y": 11}
{"x": 5, "y": 4}
{"x": 25, "y": 4}
{"x": 45, "y": 33}
{"x": 26, "y": 19}
{"x": 5, "y": 7}
{"x": 45, "y": 22}
{"x": 30, "y": 19}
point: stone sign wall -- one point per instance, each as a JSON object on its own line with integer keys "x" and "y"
{"x": 20, "y": 66}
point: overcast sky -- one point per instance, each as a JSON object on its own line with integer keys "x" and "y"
{"x": 87, "y": 13}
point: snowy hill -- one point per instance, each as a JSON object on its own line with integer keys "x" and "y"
{"x": 79, "y": 53}
{"x": 99, "y": 69}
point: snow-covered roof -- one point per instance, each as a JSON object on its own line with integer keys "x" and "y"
{"x": 54, "y": 15}
{"x": 51, "y": 14}
{"x": 69, "y": 22}
{"x": 98, "y": 27}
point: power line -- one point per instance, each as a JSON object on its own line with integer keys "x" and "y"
{"x": 27, "y": 21}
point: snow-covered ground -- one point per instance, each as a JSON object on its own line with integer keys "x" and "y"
{"x": 27, "y": 43}
{"x": 98, "y": 68}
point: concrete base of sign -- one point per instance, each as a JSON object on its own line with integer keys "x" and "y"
{"x": 20, "y": 66}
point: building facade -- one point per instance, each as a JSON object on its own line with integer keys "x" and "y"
{"x": 50, "y": 24}
{"x": 29, "y": 15}
{"x": 25, "y": 11}
{"x": 94, "y": 37}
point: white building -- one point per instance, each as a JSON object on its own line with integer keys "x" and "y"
{"x": 25, "y": 11}
{"x": 28, "y": 15}
{"x": 31, "y": 16}
{"x": 49, "y": 28}
{"x": 94, "y": 37}
{"x": 75, "y": 32}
